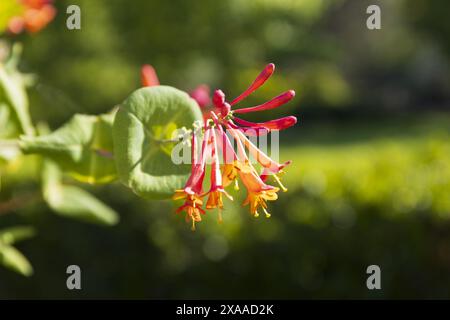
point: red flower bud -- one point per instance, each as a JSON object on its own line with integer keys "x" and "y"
{"x": 148, "y": 76}
{"x": 259, "y": 81}
{"x": 271, "y": 104}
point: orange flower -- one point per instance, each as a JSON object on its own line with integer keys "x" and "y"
{"x": 192, "y": 206}
{"x": 257, "y": 193}
{"x": 235, "y": 163}
{"x": 36, "y": 15}
{"x": 192, "y": 192}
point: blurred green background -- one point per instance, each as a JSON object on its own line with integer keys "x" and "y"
{"x": 370, "y": 179}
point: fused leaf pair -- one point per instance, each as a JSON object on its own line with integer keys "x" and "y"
{"x": 135, "y": 142}
{"x": 83, "y": 147}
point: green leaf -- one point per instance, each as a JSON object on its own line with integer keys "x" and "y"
{"x": 11, "y": 258}
{"x": 83, "y": 147}
{"x": 15, "y": 234}
{"x": 14, "y": 110}
{"x": 71, "y": 201}
{"x": 9, "y": 125}
{"x": 147, "y": 118}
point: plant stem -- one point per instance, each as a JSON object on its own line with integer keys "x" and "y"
{"x": 19, "y": 202}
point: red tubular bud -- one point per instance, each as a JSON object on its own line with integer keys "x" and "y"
{"x": 271, "y": 104}
{"x": 148, "y": 76}
{"x": 218, "y": 98}
{"x": 279, "y": 124}
{"x": 201, "y": 95}
{"x": 259, "y": 81}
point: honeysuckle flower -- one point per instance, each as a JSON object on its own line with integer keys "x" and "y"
{"x": 35, "y": 15}
{"x": 230, "y": 162}
{"x": 257, "y": 193}
{"x": 192, "y": 192}
{"x": 217, "y": 190}
{"x": 236, "y": 164}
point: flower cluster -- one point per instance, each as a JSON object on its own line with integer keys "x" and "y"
{"x": 220, "y": 119}
{"x": 34, "y": 15}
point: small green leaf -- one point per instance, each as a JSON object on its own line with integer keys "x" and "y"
{"x": 71, "y": 201}
{"x": 83, "y": 147}
{"x": 11, "y": 258}
{"x": 14, "y": 99}
{"x": 15, "y": 234}
{"x": 147, "y": 118}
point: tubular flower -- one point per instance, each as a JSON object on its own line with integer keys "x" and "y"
{"x": 216, "y": 190}
{"x": 221, "y": 127}
{"x": 34, "y": 15}
{"x": 257, "y": 193}
{"x": 192, "y": 192}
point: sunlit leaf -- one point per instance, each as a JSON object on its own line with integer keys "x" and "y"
{"x": 14, "y": 110}
{"x": 83, "y": 147}
{"x": 11, "y": 258}
{"x": 147, "y": 118}
{"x": 71, "y": 201}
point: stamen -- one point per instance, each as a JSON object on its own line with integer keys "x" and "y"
{"x": 226, "y": 194}
{"x": 277, "y": 179}
{"x": 259, "y": 81}
{"x": 236, "y": 185}
{"x": 256, "y": 215}
{"x": 193, "y": 224}
{"x": 268, "y": 215}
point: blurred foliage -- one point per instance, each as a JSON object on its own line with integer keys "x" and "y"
{"x": 322, "y": 48}
{"x": 357, "y": 196}
{"x": 369, "y": 183}
{"x": 10, "y": 257}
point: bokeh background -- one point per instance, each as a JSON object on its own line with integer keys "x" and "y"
{"x": 370, "y": 179}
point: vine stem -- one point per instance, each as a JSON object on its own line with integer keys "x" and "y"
{"x": 186, "y": 135}
{"x": 19, "y": 202}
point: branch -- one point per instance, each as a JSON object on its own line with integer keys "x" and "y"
{"x": 19, "y": 202}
